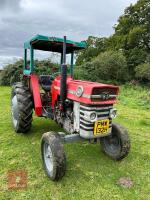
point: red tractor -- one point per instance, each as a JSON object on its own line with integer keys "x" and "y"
{"x": 84, "y": 109}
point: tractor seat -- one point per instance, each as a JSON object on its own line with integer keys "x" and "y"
{"x": 45, "y": 82}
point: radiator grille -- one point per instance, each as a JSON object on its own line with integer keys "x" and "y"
{"x": 102, "y": 113}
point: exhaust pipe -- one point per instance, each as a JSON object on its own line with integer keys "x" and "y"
{"x": 63, "y": 84}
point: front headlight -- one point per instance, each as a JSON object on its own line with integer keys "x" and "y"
{"x": 113, "y": 113}
{"x": 93, "y": 116}
{"x": 90, "y": 116}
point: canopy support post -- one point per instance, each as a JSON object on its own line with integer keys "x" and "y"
{"x": 71, "y": 66}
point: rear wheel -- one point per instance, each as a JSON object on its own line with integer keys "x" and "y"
{"x": 21, "y": 108}
{"x": 53, "y": 156}
{"x": 117, "y": 145}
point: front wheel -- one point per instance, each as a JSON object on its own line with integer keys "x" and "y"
{"x": 116, "y": 145}
{"x": 53, "y": 156}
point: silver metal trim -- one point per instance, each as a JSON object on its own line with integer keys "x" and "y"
{"x": 98, "y": 113}
{"x": 96, "y": 108}
{"x": 88, "y": 122}
{"x": 76, "y": 116}
{"x": 88, "y": 96}
{"x": 86, "y": 127}
{"x": 71, "y": 92}
{"x": 101, "y": 96}
{"x": 83, "y": 95}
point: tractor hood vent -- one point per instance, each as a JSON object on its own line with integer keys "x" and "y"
{"x": 103, "y": 94}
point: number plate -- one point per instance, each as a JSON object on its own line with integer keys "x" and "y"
{"x": 101, "y": 127}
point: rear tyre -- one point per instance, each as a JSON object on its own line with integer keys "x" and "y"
{"x": 21, "y": 108}
{"x": 117, "y": 145}
{"x": 53, "y": 156}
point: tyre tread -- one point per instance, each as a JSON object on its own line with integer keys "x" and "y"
{"x": 25, "y": 104}
{"x": 125, "y": 143}
{"x": 58, "y": 153}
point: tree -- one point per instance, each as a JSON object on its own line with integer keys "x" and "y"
{"x": 94, "y": 47}
{"x": 14, "y": 72}
{"x": 143, "y": 71}
{"x": 107, "y": 66}
{"x": 131, "y": 37}
{"x": 134, "y": 28}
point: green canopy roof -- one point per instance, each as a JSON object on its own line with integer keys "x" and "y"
{"x": 53, "y": 44}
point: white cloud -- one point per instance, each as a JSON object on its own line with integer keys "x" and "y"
{"x": 4, "y": 60}
{"x": 21, "y": 19}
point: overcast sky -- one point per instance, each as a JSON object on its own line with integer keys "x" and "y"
{"x": 22, "y": 19}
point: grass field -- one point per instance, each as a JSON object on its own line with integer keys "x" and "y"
{"x": 90, "y": 174}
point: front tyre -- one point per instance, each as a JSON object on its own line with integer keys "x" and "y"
{"x": 116, "y": 145}
{"x": 53, "y": 156}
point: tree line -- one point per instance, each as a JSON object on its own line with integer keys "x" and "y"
{"x": 130, "y": 43}
{"x": 14, "y": 72}
{"x": 122, "y": 57}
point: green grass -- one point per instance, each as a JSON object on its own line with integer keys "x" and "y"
{"x": 90, "y": 174}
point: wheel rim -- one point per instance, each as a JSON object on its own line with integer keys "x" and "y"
{"x": 112, "y": 143}
{"x": 48, "y": 158}
{"x": 14, "y": 110}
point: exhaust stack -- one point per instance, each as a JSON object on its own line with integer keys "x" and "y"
{"x": 63, "y": 84}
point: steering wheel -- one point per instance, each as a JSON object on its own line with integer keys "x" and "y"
{"x": 55, "y": 74}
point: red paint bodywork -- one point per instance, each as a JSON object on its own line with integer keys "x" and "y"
{"x": 34, "y": 86}
{"x": 72, "y": 86}
{"x": 88, "y": 86}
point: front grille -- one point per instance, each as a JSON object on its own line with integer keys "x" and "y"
{"x": 97, "y": 91}
{"x": 102, "y": 113}
{"x": 103, "y": 94}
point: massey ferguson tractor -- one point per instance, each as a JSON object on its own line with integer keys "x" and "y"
{"x": 83, "y": 109}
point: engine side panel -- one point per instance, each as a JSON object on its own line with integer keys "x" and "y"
{"x": 76, "y": 116}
